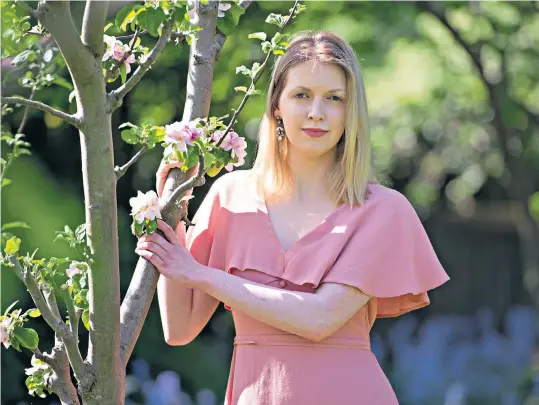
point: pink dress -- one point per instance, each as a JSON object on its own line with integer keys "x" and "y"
{"x": 380, "y": 248}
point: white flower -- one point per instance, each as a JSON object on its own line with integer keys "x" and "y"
{"x": 222, "y": 8}
{"x": 73, "y": 269}
{"x": 145, "y": 206}
{"x": 37, "y": 365}
{"x": 4, "y": 338}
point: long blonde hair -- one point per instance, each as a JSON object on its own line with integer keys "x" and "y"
{"x": 348, "y": 179}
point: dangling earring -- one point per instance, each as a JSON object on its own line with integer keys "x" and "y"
{"x": 280, "y": 129}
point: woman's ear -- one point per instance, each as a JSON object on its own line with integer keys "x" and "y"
{"x": 276, "y": 113}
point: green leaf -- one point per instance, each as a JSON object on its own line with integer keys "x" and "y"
{"x": 131, "y": 15}
{"x": 15, "y": 224}
{"x": 127, "y": 125}
{"x": 10, "y": 307}
{"x": 231, "y": 19}
{"x": 240, "y": 88}
{"x": 60, "y": 81}
{"x": 154, "y": 18}
{"x": 151, "y": 226}
{"x": 258, "y": 35}
{"x": 6, "y": 181}
{"x": 266, "y": 46}
{"x": 123, "y": 72}
{"x": 34, "y": 313}
{"x": 27, "y": 337}
{"x": 23, "y": 57}
{"x": 12, "y": 246}
{"x": 107, "y": 27}
{"x": 243, "y": 70}
{"x": 274, "y": 19}
{"x": 71, "y": 96}
{"x": 139, "y": 227}
{"x": 86, "y": 318}
{"x": 130, "y": 136}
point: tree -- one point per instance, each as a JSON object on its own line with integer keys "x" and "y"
{"x": 89, "y": 286}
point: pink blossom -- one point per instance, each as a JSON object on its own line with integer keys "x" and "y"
{"x": 4, "y": 336}
{"x": 238, "y": 146}
{"x": 73, "y": 269}
{"x": 182, "y": 134}
{"x": 145, "y": 206}
{"x": 116, "y": 50}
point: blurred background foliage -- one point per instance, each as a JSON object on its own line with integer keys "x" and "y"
{"x": 453, "y": 92}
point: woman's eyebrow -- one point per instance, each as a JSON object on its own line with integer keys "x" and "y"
{"x": 329, "y": 91}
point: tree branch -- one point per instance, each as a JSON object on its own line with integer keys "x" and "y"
{"x": 74, "y": 316}
{"x": 56, "y": 17}
{"x": 120, "y": 171}
{"x": 255, "y": 79}
{"x": 142, "y": 288}
{"x": 61, "y": 382}
{"x": 69, "y": 118}
{"x": 55, "y": 322}
{"x": 26, "y": 109}
{"x": 115, "y": 97}
{"x": 195, "y": 181}
{"x": 95, "y": 15}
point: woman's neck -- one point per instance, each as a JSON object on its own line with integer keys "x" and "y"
{"x": 309, "y": 175}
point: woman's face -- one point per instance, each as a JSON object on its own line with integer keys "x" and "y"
{"x": 314, "y": 97}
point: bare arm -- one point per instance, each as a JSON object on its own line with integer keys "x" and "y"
{"x": 312, "y": 316}
{"x": 184, "y": 311}
{"x": 333, "y": 304}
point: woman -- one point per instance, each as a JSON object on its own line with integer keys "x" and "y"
{"x": 304, "y": 248}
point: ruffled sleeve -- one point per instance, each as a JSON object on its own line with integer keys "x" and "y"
{"x": 202, "y": 237}
{"x": 390, "y": 257}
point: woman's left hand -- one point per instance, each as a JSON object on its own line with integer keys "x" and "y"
{"x": 168, "y": 255}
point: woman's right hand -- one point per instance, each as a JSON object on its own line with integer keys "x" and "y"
{"x": 162, "y": 173}
{"x": 161, "y": 178}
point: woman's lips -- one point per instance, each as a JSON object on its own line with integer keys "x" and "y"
{"x": 315, "y": 132}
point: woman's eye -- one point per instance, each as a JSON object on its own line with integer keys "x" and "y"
{"x": 299, "y": 94}
{"x": 337, "y": 98}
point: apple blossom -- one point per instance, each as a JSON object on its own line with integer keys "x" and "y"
{"x": 145, "y": 206}
{"x": 4, "y": 336}
{"x": 222, "y": 8}
{"x": 238, "y": 146}
{"x": 37, "y": 365}
{"x": 181, "y": 134}
{"x": 116, "y": 50}
{"x": 73, "y": 269}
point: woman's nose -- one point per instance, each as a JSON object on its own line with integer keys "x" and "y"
{"x": 316, "y": 112}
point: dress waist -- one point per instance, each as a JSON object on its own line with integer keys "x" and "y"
{"x": 294, "y": 340}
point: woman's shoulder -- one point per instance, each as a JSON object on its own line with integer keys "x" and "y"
{"x": 232, "y": 182}
{"x": 384, "y": 198}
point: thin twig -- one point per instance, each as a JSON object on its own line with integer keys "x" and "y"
{"x": 254, "y": 80}
{"x": 132, "y": 35}
{"x": 195, "y": 181}
{"x": 56, "y": 323}
{"x": 115, "y": 97}
{"x": 120, "y": 171}
{"x": 73, "y": 315}
{"x": 126, "y": 55}
{"x": 25, "y": 116}
{"x": 70, "y": 118}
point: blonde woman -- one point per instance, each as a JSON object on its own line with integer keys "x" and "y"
{"x": 305, "y": 248}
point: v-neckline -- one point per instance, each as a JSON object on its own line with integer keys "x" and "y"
{"x": 294, "y": 244}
